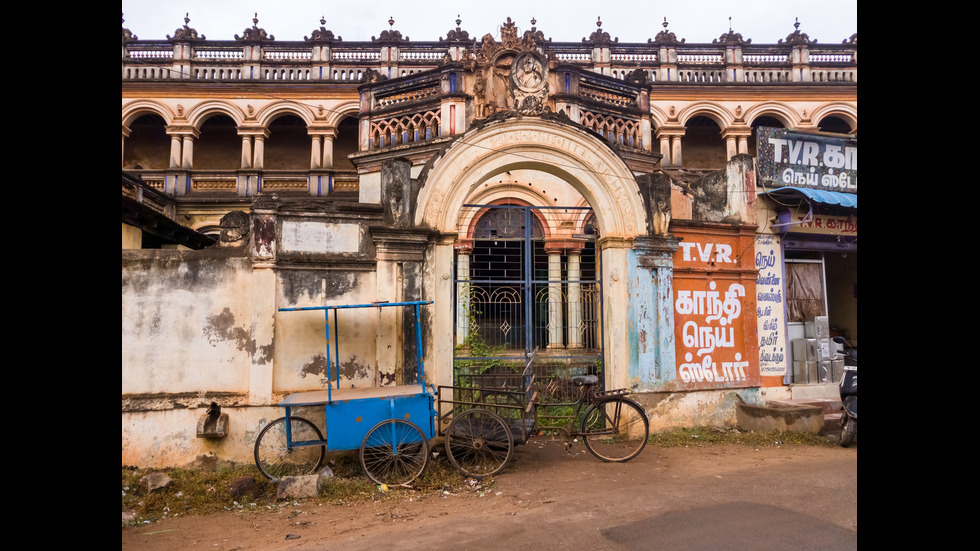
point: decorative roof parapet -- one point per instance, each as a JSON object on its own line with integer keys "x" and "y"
{"x": 457, "y": 34}
{"x": 126, "y": 33}
{"x": 665, "y": 37}
{"x": 186, "y": 33}
{"x": 731, "y": 38}
{"x": 322, "y": 34}
{"x": 796, "y": 38}
{"x": 534, "y": 37}
{"x": 853, "y": 40}
{"x": 600, "y": 37}
{"x": 391, "y": 35}
{"x": 255, "y": 34}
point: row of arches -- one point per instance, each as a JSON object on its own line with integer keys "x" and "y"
{"x": 217, "y": 144}
{"x": 217, "y": 133}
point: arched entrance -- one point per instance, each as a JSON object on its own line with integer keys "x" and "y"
{"x": 538, "y": 169}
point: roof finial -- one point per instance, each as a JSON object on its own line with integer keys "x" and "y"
{"x": 598, "y": 21}
{"x": 391, "y": 21}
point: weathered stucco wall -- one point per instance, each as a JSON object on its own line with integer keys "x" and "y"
{"x": 300, "y": 352}
{"x": 185, "y": 322}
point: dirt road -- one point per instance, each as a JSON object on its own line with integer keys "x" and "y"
{"x": 713, "y": 497}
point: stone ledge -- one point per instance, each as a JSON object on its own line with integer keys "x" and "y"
{"x": 780, "y": 417}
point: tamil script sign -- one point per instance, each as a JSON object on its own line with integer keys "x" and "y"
{"x": 798, "y": 159}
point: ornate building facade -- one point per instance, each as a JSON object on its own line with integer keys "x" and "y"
{"x": 595, "y": 200}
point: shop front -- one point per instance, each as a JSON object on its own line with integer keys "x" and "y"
{"x": 806, "y": 254}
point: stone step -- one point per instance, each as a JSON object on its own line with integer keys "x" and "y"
{"x": 829, "y": 406}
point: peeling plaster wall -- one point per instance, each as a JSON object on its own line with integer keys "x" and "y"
{"x": 168, "y": 438}
{"x": 300, "y": 356}
{"x": 186, "y": 322}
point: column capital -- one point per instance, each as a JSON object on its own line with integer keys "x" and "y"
{"x": 256, "y": 131}
{"x": 182, "y": 130}
{"x": 559, "y": 244}
{"x": 656, "y": 251}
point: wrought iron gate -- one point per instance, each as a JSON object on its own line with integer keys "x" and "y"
{"x": 528, "y": 278}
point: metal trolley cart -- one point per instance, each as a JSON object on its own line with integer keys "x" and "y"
{"x": 391, "y": 426}
{"x": 489, "y": 412}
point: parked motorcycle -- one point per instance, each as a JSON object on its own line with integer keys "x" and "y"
{"x": 849, "y": 406}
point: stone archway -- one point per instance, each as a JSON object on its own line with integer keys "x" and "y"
{"x": 595, "y": 171}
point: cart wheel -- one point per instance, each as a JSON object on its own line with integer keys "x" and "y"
{"x": 615, "y": 430}
{"x": 394, "y": 452}
{"x": 479, "y": 443}
{"x": 276, "y": 460}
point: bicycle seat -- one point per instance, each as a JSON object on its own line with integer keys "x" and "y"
{"x": 585, "y": 380}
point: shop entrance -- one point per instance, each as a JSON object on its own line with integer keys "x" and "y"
{"x": 821, "y": 313}
{"x": 527, "y": 279}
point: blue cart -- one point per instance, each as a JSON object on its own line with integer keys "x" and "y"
{"x": 391, "y": 426}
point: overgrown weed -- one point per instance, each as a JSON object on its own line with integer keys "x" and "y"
{"x": 202, "y": 492}
{"x": 704, "y": 436}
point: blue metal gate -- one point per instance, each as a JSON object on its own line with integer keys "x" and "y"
{"x": 528, "y": 278}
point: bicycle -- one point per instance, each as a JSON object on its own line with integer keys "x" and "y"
{"x": 488, "y": 420}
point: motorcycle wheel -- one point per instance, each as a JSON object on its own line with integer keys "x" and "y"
{"x": 849, "y": 431}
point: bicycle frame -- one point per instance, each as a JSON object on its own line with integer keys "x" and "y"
{"x": 588, "y": 396}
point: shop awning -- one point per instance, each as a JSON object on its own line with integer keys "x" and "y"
{"x": 848, "y": 200}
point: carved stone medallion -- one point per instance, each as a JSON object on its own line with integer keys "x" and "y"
{"x": 529, "y": 83}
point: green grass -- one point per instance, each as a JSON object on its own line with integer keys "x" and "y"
{"x": 706, "y": 436}
{"x": 202, "y": 492}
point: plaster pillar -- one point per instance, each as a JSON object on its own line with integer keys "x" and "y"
{"x": 263, "y": 252}
{"x": 575, "y": 337}
{"x": 743, "y": 145}
{"x": 246, "y": 152}
{"x": 187, "y": 153}
{"x": 650, "y": 312}
{"x": 439, "y": 331}
{"x": 675, "y": 151}
{"x": 174, "y": 151}
{"x": 316, "y": 154}
{"x": 555, "y": 303}
{"x": 665, "y": 150}
{"x": 327, "y": 159}
{"x": 462, "y": 292}
{"x": 258, "y": 161}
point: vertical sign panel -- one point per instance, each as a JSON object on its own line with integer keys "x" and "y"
{"x": 714, "y": 307}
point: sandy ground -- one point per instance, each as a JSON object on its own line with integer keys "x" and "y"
{"x": 732, "y": 497}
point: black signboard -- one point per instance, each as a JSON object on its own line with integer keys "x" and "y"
{"x": 800, "y": 159}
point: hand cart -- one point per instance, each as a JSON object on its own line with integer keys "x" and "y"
{"x": 390, "y": 425}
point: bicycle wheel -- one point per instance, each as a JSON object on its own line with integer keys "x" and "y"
{"x": 276, "y": 460}
{"x": 479, "y": 443}
{"x": 394, "y": 452}
{"x": 615, "y": 430}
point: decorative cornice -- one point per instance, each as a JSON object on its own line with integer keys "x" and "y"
{"x": 600, "y": 37}
{"x": 186, "y": 33}
{"x": 796, "y": 38}
{"x": 390, "y": 36}
{"x": 665, "y": 37}
{"x": 254, "y": 34}
{"x": 127, "y": 34}
{"x": 322, "y": 34}
{"x": 457, "y": 34}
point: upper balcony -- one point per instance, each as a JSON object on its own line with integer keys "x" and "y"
{"x": 324, "y": 57}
